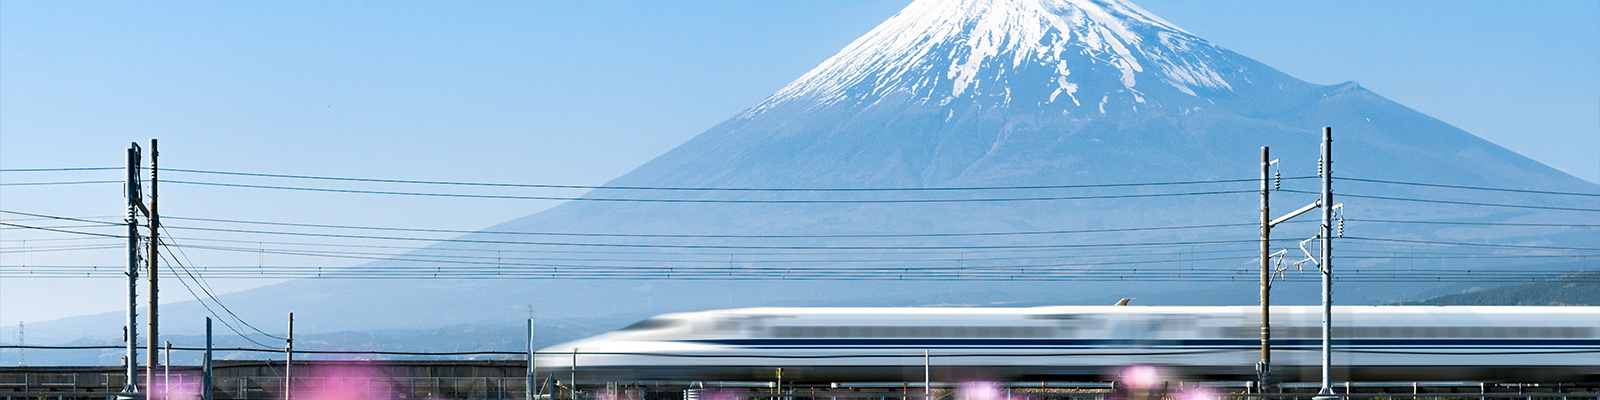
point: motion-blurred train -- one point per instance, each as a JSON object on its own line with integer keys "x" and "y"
{"x": 1385, "y": 343}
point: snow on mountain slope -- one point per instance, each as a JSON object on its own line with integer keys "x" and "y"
{"x": 940, "y": 50}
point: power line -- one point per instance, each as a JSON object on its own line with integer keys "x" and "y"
{"x": 647, "y": 235}
{"x": 58, "y": 226}
{"x": 56, "y": 183}
{"x": 1468, "y": 187}
{"x": 670, "y": 188}
{"x": 69, "y": 248}
{"x": 1391, "y": 221}
{"x": 60, "y": 169}
{"x": 1243, "y": 275}
{"x": 644, "y": 200}
{"x": 207, "y": 306}
{"x": 210, "y": 293}
{"x": 704, "y": 258}
{"x": 1430, "y": 242}
{"x": 57, "y": 217}
{"x": 1435, "y": 201}
{"x": 684, "y": 246}
{"x": 61, "y": 230}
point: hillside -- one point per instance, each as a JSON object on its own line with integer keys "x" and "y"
{"x": 1578, "y": 290}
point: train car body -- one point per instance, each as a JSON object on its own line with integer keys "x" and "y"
{"x": 1089, "y": 342}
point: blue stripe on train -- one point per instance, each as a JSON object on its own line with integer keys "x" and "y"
{"x": 1209, "y": 343}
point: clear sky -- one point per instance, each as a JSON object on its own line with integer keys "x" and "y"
{"x": 579, "y": 92}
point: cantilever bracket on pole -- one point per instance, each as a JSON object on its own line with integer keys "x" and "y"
{"x": 1309, "y": 258}
{"x": 1296, "y": 213}
{"x": 1278, "y": 265}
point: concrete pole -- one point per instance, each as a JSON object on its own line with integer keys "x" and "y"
{"x": 131, "y": 388}
{"x": 288, "y": 363}
{"x": 573, "y": 379}
{"x": 167, "y": 370}
{"x": 205, "y": 368}
{"x": 1327, "y": 260}
{"x": 1264, "y": 368}
{"x": 927, "y": 375}
{"x": 530, "y": 384}
{"x": 529, "y": 387}
{"x": 153, "y": 318}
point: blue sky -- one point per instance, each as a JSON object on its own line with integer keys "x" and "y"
{"x": 580, "y": 92}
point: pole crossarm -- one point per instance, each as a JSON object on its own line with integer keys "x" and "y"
{"x": 1314, "y": 205}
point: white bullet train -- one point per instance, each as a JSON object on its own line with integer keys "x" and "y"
{"x": 1383, "y": 343}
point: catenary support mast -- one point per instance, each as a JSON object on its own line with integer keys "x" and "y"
{"x": 130, "y": 388}
{"x": 1327, "y": 260}
{"x": 1264, "y": 368}
{"x": 151, "y": 268}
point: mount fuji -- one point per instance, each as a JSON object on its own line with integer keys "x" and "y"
{"x": 1000, "y": 93}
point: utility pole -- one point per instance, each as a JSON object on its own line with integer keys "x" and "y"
{"x": 528, "y": 388}
{"x": 1264, "y": 368}
{"x": 573, "y": 379}
{"x": 1326, "y": 267}
{"x": 288, "y": 363}
{"x": 205, "y": 369}
{"x": 152, "y": 268}
{"x": 927, "y": 375}
{"x": 530, "y": 384}
{"x": 166, "y": 370}
{"x": 130, "y": 389}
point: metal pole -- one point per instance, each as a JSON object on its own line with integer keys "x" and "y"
{"x": 927, "y": 375}
{"x": 1327, "y": 260}
{"x": 166, "y": 370}
{"x": 528, "y": 388}
{"x": 288, "y": 363}
{"x": 530, "y": 384}
{"x": 152, "y": 317}
{"x": 130, "y": 389}
{"x": 1264, "y": 369}
{"x": 573, "y": 380}
{"x": 205, "y": 369}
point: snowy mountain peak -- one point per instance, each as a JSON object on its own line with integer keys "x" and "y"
{"x": 1056, "y": 54}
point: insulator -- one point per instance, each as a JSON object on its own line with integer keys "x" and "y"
{"x": 1319, "y": 167}
{"x": 1341, "y": 227}
{"x": 1277, "y": 180}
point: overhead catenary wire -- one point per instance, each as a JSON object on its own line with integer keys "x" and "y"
{"x": 671, "y": 188}
{"x": 56, "y": 183}
{"x": 1429, "y": 222}
{"x": 1456, "y": 202}
{"x": 652, "y": 235}
{"x": 202, "y": 302}
{"x": 1469, "y": 244}
{"x": 736, "y": 201}
{"x": 62, "y": 169}
{"x": 61, "y": 230}
{"x": 1243, "y": 276}
{"x": 714, "y": 246}
{"x": 699, "y": 258}
{"x": 734, "y": 189}
{"x": 1441, "y": 185}
{"x": 207, "y": 288}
